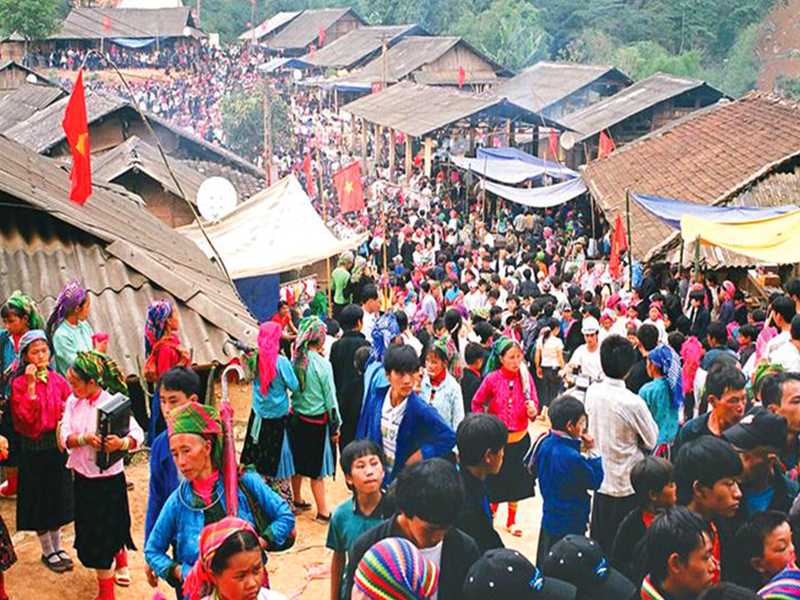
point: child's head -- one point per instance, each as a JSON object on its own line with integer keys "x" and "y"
{"x": 568, "y": 414}
{"x": 481, "y": 441}
{"x": 653, "y": 481}
{"x": 402, "y": 366}
{"x": 474, "y": 355}
{"x": 707, "y": 470}
{"x": 363, "y": 466}
{"x": 764, "y": 547}
{"x": 747, "y": 335}
{"x": 360, "y": 358}
{"x": 178, "y": 386}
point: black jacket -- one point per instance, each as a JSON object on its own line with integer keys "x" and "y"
{"x": 459, "y": 552}
{"x": 699, "y": 325}
{"x": 637, "y": 376}
{"x": 349, "y": 383}
{"x": 628, "y": 545}
{"x": 469, "y": 385}
{"x": 474, "y": 520}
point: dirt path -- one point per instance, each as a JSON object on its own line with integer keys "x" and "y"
{"x": 301, "y": 572}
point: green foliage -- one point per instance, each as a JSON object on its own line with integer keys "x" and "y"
{"x": 243, "y": 123}
{"x": 32, "y": 19}
{"x": 228, "y": 18}
{"x": 739, "y": 71}
{"x": 789, "y": 87}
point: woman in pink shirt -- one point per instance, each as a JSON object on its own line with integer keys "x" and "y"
{"x": 508, "y": 393}
{"x": 45, "y": 501}
{"x": 102, "y": 515}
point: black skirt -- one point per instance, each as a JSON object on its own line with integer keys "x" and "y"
{"x": 45, "y": 497}
{"x": 513, "y": 482}
{"x": 265, "y": 455}
{"x": 310, "y": 447}
{"x": 102, "y": 520}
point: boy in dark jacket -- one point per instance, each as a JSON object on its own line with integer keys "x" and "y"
{"x": 653, "y": 480}
{"x": 429, "y": 496}
{"x": 481, "y": 441}
{"x": 474, "y": 355}
{"x": 566, "y": 468}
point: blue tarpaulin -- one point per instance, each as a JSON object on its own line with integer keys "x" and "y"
{"x": 553, "y": 168}
{"x": 134, "y": 42}
{"x": 671, "y": 210}
{"x": 260, "y": 294}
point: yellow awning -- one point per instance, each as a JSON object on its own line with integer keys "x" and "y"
{"x": 771, "y": 240}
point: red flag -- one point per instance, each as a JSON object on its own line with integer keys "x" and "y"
{"x": 606, "y": 146}
{"x": 313, "y": 50}
{"x": 106, "y": 24}
{"x": 554, "y": 144}
{"x": 349, "y": 187}
{"x": 321, "y": 36}
{"x": 462, "y": 77}
{"x": 619, "y": 244}
{"x": 76, "y": 128}
{"x": 311, "y": 190}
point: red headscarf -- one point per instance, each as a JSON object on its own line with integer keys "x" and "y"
{"x": 269, "y": 343}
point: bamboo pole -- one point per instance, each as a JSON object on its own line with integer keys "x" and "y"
{"x": 409, "y": 156}
{"x": 630, "y": 249}
{"x": 392, "y": 155}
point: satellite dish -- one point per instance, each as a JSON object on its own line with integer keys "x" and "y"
{"x": 31, "y": 78}
{"x": 568, "y": 140}
{"x": 187, "y": 31}
{"x": 216, "y": 197}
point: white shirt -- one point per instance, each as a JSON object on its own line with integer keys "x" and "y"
{"x": 409, "y": 339}
{"x": 368, "y": 323}
{"x": 550, "y": 350}
{"x": 391, "y": 417}
{"x": 434, "y": 554}
{"x": 776, "y": 342}
{"x": 589, "y": 362}
{"x": 620, "y": 423}
{"x": 788, "y": 356}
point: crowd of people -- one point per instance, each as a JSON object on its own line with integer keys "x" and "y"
{"x": 171, "y": 56}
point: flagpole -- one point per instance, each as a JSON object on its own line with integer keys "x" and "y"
{"x": 324, "y": 199}
{"x": 630, "y": 245}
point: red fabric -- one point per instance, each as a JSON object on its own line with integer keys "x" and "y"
{"x": 437, "y": 381}
{"x": 167, "y": 355}
{"x": 606, "y": 145}
{"x": 106, "y": 24}
{"x": 511, "y": 517}
{"x": 619, "y": 244}
{"x": 554, "y": 144}
{"x": 494, "y": 396}
{"x": 349, "y": 188}
{"x": 311, "y": 190}
{"x": 715, "y": 551}
{"x": 321, "y": 37}
{"x": 647, "y": 518}
{"x": 121, "y": 559}
{"x": 32, "y": 417}
{"x": 462, "y": 77}
{"x": 77, "y": 130}
{"x": 283, "y": 321}
{"x": 105, "y": 588}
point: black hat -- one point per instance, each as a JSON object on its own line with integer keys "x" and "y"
{"x": 505, "y": 574}
{"x": 580, "y": 561}
{"x": 759, "y": 427}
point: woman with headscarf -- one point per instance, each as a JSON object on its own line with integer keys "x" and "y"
{"x": 102, "y": 514}
{"x": 20, "y": 315}
{"x": 394, "y": 568}
{"x": 230, "y": 564}
{"x": 508, "y": 393}
{"x": 664, "y": 394}
{"x": 340, "y": 280}
{"x": 316, "y": 420}
{"x": 68, "y": 330}
{"x": 162, "y": 351}
{"x": 196, "y": 441}
{"x": 266, "y": 444}
{"x": 439, "y": 387}
{"x": 45, "y": 502}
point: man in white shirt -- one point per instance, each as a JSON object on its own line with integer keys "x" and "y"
{"x": 624, "y": 432}
{"x": 788, "y": 355}
{"x": 371, "y": 305}
{"x": 587, "y": 356}
{"x": 782, "y": 312}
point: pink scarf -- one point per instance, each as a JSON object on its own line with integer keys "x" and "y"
{"x": 269, "y": 343}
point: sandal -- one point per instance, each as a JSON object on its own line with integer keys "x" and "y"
{"x": 514, "y": 530}
{"x": 65, "y": 560}
{"x": 323, "y": 518}
{"x": 301, "y": 506}
{"x": 56, "y": 566}
{"x": 122, "y": 577}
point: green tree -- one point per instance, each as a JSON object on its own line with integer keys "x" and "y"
{"x": 508, "y": 31}
{"x": 32, "y": 19}
{"x": 738, "y": 73}
{"x": 243, "y": 123}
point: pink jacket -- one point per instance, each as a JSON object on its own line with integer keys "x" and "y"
{"x": 494, "y": 394}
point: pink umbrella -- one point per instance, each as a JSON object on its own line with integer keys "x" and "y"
{"x": 229, "y": 465}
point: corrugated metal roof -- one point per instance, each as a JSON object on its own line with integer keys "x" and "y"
{"x": 546, "y": 83}
{"x": 304, "y": 28}
{"x": 137, "y": 155}
{"x": 418, "y": 110}
{"x": 95, "y": 23}
{"x": 247, "y": 185}
{"x": 272, "y": 24}
{"x": 632, "y": 100}
{"x": 25, "y": 101}
{"x": 357, "y": 45}
{"x": 119, "y": 236}
{"x": 709, "y": 156}
{"x": 40, "y": 79}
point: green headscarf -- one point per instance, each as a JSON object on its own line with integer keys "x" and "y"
{"x": 25, "y": 304}
{"x": 96, "y": 365}
{"x": 319, "y": 305}
{"x": 199, "y": 419}
{"x": 311, "y": 330}
{"x": 498, "y": 348}
{"x": 446, "y": 348}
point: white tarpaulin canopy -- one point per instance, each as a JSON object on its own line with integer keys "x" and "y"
{"x": 539, "y": 197}
{"x": 276, "y": 230}
{"x": 509, "y": 170}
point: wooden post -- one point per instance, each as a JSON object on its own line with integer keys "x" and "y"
{"x": 471, "y": 141}
{"x": 680, "y": 256}
{"x": 630, "y": 249}
{"x": 392, "y": 153}
{"x": 352, "y": 133}
{"x": 364, "y": 136}
{"x": 378, "y": 147}
{"x": 409, "y": 156}
{"x": 428, "y": 155}
{"x": 512, "y": 134}
{"x": 509, "y": 129}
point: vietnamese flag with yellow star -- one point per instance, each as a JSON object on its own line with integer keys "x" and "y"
{"x": 349, "y": 188}
{"x": 77, "y": 129}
